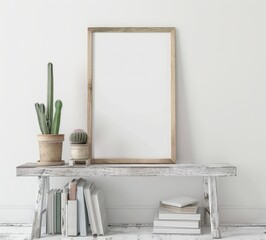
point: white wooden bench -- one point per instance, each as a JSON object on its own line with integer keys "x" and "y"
{"x": 209, "y": 172}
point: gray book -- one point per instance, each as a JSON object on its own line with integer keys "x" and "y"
{"x": 58, "y": 211}
{"x": 54, "y": 212}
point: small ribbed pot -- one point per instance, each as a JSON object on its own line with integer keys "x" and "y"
{"x": 50, "y": 147}
{"x": 79, "y": 151}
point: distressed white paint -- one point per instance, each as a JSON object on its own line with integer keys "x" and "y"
{"x": 40, "y": 205}
{"x": 220, "y": 96}
{"x": 213, "y": 206}
{"x": 41, "y": 195}
{"x": 129, "y": 170}
{"x": 205, "y": 200}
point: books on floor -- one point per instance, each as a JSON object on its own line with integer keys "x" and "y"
{"x": 77, "y": 209}
{"x": 172, "y": 219}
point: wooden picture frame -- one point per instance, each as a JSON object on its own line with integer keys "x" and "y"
{"x": 100, "y": 38}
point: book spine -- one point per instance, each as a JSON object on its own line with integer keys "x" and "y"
{"x": 58, "y": 212}
{"x": 64, "y": 198}
{"x": 49, "y": 213}
{"x": 54, "y": 213}
{"x": 73, "y": 190}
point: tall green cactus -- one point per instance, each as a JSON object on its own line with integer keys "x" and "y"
{"x": 57, "y": 117}
{"x": 50, "y": 97}
{"x": 47, "y": 124}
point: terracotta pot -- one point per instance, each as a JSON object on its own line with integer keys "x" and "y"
{"x": 79, "y": 151}
{"x": 50, "y": 146}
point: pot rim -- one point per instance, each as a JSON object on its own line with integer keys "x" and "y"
{"x": 50, "y": 137}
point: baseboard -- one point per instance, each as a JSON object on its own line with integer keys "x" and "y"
{"x": 245, "y": 214}
{"x": 143, "y": 214}
{"x": 229, "y": 215}
{"x": 16, "y": 213}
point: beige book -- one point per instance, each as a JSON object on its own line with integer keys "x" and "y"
{"x": 193, "y": 208}
{"x": 180, "y": 201}
{"x": 170, "y": 215}
{"x": 73, "y": 189}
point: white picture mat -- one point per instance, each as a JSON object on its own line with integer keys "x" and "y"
{"x": 131, "y": 95}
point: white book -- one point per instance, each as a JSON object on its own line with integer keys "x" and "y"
{"x": 82, "y": 211}
{"x": 175, "y": 223}
{"x": 170, "y": 215}
{"x": 49, "y": 212}
{"x": 88, "y": 190}
{"x": 54, "y": 212}
{"x": 180, "y": 201}
{"x": 100, "y": 210}
{"x": 164, "y": 230}
{"x": 72, "y": 218}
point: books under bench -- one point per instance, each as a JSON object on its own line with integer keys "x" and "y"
{"x": 77, "y": 209}
{"x": 177, "y": 216}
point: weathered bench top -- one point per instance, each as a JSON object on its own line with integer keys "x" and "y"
{"x": 129, "y": 170}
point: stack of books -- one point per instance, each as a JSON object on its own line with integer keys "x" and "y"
{"x": 178, "y": 215}
{"x": 53, "y": 212}
{"x": 75, "y": 208}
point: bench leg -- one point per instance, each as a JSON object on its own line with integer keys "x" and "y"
{"x": 43, "y": 188}
{"x": 213, "y": 203}
{"x": 206, "y": 211}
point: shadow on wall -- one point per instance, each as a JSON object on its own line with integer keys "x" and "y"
{"x": 185, "y": 151}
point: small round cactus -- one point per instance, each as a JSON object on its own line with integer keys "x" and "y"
{"x": 78, "y": 136}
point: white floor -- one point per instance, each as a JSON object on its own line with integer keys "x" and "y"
{"x": 22, "y": 232}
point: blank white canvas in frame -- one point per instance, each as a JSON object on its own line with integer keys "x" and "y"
{"x": 131, "y": 95}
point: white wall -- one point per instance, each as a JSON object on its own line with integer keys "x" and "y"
{"x": 221, "y": 79}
